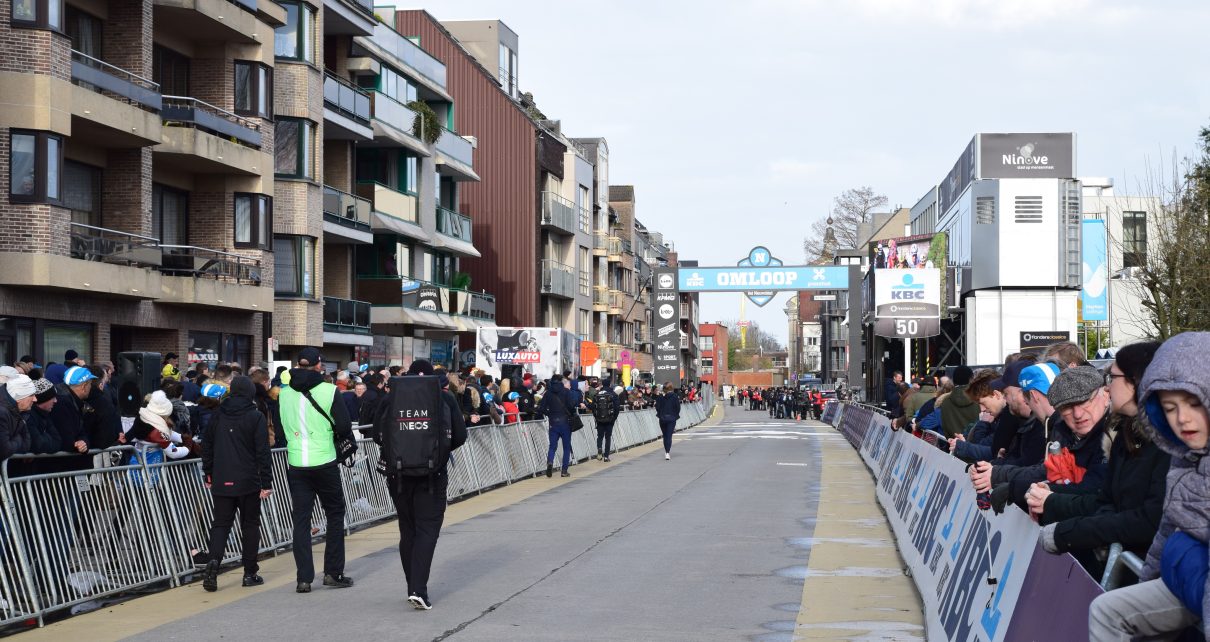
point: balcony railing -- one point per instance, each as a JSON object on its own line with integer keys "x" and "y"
{"x": 600, "y": 242}
{"x": 614, "y": 248}
{"x": 392, "y": 112}
{"x": 610, "y": 352}
{"x": 684, "y": 343}
{"x": 342, "y": 96}
{"x": 479, "y": 305}
{"x": 456, "y": 147}
{"x": 346, "y": 209}
{"x": 558, "y": 213}
{"x": 200, "y": 262}
{"x": 684, "y": 310}
{"x": 247, "y": 5}
{"x": 111, "y": 246}
{"x": 615, "y": 301}
{"x": 400, "y": 205}
{"x": 409, "y": 53}
{"x": 600, "y": 297}
{"x": 451, "y": 223}
{"x": 558, "y": 279}
{"x": 346, "y": 315}
{"x": 101, "y": 77}
{"x": 202, "y": 115}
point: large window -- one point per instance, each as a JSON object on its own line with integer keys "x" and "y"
{"x": 292, "y": 145}
{"x": 253, "y": 220}
{"x": 58, "y": 338}
{"x": 706, "y": 344}
{"x": 38, "y": 14}
{"x": 441, "y": 268}
{"x": 388, "y": 256}
{"x": 396, "y": 85}
{"x": 585, "y": 211}
{"x": 171, "y": 70}
{"x": 35, "y": 166}
{"x": 292, "y": 40}
{"x": 585, "y": 270}
{"x": 294, "y": 266}
{"x": 707, "y": 365}
{"x": 1134, "y": 239}
{"x": 85, "y": 31}
{"x": 253, "y": 89}
{"x": 82, "y": 192}
{"x": 584, "y": 324}
{"x": 169, "y": 215}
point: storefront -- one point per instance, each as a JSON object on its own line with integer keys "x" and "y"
{"x": 45, "y": 340}
{"x": 212, "y": 347}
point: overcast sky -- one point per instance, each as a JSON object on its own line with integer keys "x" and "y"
{"x": 738, "y": 122}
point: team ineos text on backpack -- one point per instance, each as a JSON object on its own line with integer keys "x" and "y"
{"x": 414, "y": 428}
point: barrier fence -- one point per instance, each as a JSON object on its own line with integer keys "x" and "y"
{"x": 134, "y": 521}
{"x": 981, "y": 575}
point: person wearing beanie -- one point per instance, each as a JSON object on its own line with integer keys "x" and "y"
{"x": 43, "y": 436}
{"x": 72, "y": 358}
{"x": 239, "y": 473}
{"x": 154, "y": 429}
{"x": 16, "y": 397}
{"x": 8, "y": 372}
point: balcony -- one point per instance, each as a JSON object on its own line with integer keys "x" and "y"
{"x": 103, "y": 245}
{"x": 456, "y": 157}
{"x": 346, "y": 217}
{"x": 112, "y": 105}
{"x": 558, "y": 213}
{"x": 199, "y": 137}
{"x": 394, "y": 122}
{"x": 345, "y": 316}
{"x": 615, "y": 302}
{"x": 610, "y": 352}
{"x": 558, "y": 279}
{"x": 206, "y": 277}
{"x": 348, "y": 18}
{"x": 613, "y": 249}
{"x": 684, "y": 311}
{"x": 407, "y": 56}
{"x": 347, "y": 110}
{"x": 453, "y": 224}
{"x": 390, "y": 202}
{"x": 476, "y": 305}
{"x": 684, "y": 342}
{"x": 600, "y": 298}
{"x": 600, "y": 242}
{"x": 99, "y": 261}
{"x": 238, "y": 21}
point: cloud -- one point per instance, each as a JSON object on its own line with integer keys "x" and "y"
{"x": 991, "y": 15}
{"x": 792, "y": 169}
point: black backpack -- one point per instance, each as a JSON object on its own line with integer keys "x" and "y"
{"x": 605, "y": 407}
{"x": 413, "y": 428}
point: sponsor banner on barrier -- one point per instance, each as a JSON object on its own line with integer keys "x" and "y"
{"x": 969, "y": 564}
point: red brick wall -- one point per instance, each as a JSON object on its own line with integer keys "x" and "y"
{"x": 126, "y": 191}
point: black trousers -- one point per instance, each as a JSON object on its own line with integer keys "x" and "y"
{"x": 306, "y": 484}
{"x": 249, "y": 523}
{"x": 420, "y": 503}
{"x": 605, "y": 435}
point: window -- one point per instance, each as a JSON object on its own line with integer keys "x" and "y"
{"x": 292, "y": 147}
{"x": 253, "y": 89}
{"x": 441, "y": 268}
{"x": 396, "y": 85}
{"x": 59, "y": 337}
{"x": 253, "y": 220}
{"x": 388, "y": 256}
{"x": 1134, "y": 239}
{"x": 293, "y": 39}
{"x": 707, "y": 365}
{"x": 585, "y": 211}
{"x": 82, "y": 192}
{"x": 294, "y": 266}
{"x": 585, "y": 269}
{"x": 169, "y": 215}
{"x": 84, "y": 30}
{"x": 35, "y": 164}
{"x": 584, "y": 324}
{"x": 706, "y": 344}
{"x": 38, "y": 14}
{"x": 171, "y": 70}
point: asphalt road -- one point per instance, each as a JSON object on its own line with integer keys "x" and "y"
{"x": 712, "y": 545}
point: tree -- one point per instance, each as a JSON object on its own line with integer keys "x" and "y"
{"x": 1173, "y": 278}
{"x": 758, "y": 342}
{"x": 852, "y": 208}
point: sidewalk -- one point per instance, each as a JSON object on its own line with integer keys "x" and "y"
{"x": 855, "y": 586}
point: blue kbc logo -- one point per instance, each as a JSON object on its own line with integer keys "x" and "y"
{"x": 908, "y": 290}
{"x": 759, "y": 257}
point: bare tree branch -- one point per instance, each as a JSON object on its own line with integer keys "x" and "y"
{"x": 852, "y": 208}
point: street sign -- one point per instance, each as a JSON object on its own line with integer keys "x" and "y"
{"x": 907, "y": 303}
{"x": 824, "y": 297}
{"x": 907, "y": 328}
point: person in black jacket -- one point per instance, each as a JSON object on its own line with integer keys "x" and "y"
{"x": 235, "y": 461}
{"x": 1127, "y": 510}
{"x": 667, "y": 410}
{"x": 557, "y": 407}
{"x": 606, "y": 406}
{"x": 420, "y": 501}
{"x": 43, "y": 436}
{"x": 16, "y": 397}
{"x": 103, "y": 424}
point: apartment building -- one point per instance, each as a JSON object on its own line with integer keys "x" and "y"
{"x": 137, "y": 157}
{"x": 715, "y": 370}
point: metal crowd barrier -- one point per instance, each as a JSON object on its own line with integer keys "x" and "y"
{"x": 124, "y": 524}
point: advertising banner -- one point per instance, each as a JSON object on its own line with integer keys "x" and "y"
{"x": 1027, "y": 155}
{"x": 907, "y": 294}
{"x": 1095, "y": 288}
{"x": 970, "y": 564}
{"x": 770, "y": 278}
{"x": 501, "y": 352}
{"x": 425, "y": 296}
{"x": 666, "y": 323}
{"x": 1038, "y": 340}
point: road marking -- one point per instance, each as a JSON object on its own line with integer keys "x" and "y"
{"x": 792, "y": 463}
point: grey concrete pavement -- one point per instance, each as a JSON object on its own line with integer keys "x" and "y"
{"x": 712, "y": 545}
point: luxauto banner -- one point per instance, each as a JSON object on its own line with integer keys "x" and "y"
{"x": 969, "y": 564}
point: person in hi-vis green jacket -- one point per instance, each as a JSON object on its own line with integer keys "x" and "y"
{"x": 311, "y": 429}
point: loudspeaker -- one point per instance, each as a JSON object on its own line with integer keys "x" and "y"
{"x": 135, "y": 375}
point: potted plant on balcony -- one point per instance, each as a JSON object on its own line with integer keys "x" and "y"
{"x": 426, "y": 127}
{"x": 461, "y": 281}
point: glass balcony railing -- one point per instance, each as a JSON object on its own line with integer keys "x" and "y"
{"x": 346, "y": 209}
{"x": 558, "y": 279}
{"x": 346, "y": 315}
{"x": 343, "y": 97}
{"x": 386, "y": 200}
{"x": 392, "y": 112}
{"x": 112, "y": 246}
{"x": 615, "y": 302}
{"x": 558, "y": 213}
{"x": 184, "y": 110}
{"x": 201, "y": 262}
{"x": 451, "y": 223}
{"x": 614, "y": 249}
{"x": 479, "y": 305}
{"x": 600, "y": 297}
{"x": 101, "y": 77}
{"x": 409, "y": 53}
{"x": 456, "y": 147}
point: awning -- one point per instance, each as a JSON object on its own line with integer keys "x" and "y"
{"x": 386, "y": 222}
{"x": 447, "y": 322}
{"x": 457, "y": 246}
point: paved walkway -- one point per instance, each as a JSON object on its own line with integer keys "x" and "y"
{"x": 756, "y": 529}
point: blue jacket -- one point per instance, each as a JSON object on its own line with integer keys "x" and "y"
{"x": 668, "y": 407}
{"x": 555, "y": 404}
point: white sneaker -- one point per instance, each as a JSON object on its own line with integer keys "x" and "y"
{"x": 667, "y": 455}
{"x": 419, "y": 603}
